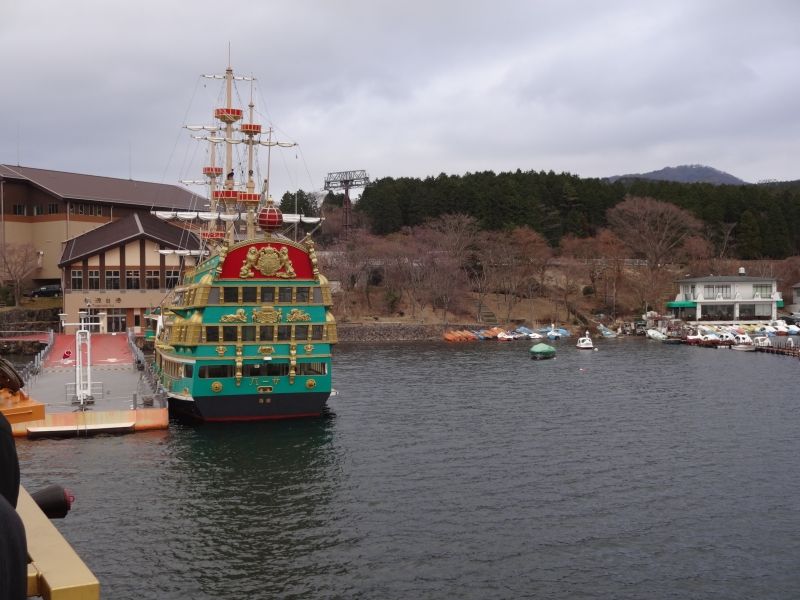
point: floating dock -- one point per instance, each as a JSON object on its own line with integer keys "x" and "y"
{"x": 122, "y": 400}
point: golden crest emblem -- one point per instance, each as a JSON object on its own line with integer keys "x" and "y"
{"x": 269, "y": 262}
{"x": 267, "y": 314}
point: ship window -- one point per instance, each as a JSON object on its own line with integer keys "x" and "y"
{"x": 302, "y": 294}
{"x": 212, "y": 334}
{"x": 285, "y": 294}
{"x": 317, "y": 292}
{"x": 301, "y": 332}
{"x": 268, "y": 294}
{"x": 229, "y": 333}
{"x": 266, "y": 333}
{"x": 213, "y": 295}
{"x": 188, "y": 370}
{"x": 284, "y": 332}
{"x": 230, "y": 294}
{"x": 215, "y": 371}
{"x": 251, "y": 370}
{"x": 276, "y": 369}
{"x": 248, "y": 333}
{"x": 316, "y": 332}
{"x": 316, "y": 368}
{"x": 249, "y": 294}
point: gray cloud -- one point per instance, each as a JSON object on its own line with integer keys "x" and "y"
{"x": 407, "y": 89}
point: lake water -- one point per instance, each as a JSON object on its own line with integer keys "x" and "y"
{"x": 641, "y": 470}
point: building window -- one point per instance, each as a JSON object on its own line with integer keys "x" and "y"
{"x": 112, "y": 279}
{"x": 76, "y": 279}
{"x": 132, "y": 279}
{"x": 38, "y": 210}
{"x": 762, "y": 290}
{"x": 52, "y": 209}
{"x": 94, "y": 279}
{"x": 19, "y": 209}
{"x": 717, "y": 292}
{"x": 172, "y": 278}
{"x": 151, "y": 280}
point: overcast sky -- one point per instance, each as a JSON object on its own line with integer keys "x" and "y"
{"x": 407, "y": 88}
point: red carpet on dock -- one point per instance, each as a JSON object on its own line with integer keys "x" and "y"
{"x": 107, "y": 349}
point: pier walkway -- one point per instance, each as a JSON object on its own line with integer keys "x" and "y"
{"x": 121, "y": 399}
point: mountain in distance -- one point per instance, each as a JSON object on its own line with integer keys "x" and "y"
{"x": 686, "y": 174}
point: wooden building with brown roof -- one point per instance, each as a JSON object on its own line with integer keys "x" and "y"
{"x": 119, "y": 271}
{"x": 46, "y": 208}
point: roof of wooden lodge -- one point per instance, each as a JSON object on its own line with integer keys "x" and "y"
{"x": 125, "y": 230}
{"x": 105, "y": 190}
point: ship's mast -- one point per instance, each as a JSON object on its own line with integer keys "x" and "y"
{"x": 250, "y": 198}
{"x": 228, "y": 115}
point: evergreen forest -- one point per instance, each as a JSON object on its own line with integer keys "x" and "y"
{"x": 748, "y": 222}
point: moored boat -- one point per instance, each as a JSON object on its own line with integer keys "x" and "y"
{"x": 248, "y": 334}
{"x": 585, "y": 342}
{"x": 542, "y": 351}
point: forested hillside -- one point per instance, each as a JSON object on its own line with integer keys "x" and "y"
{"x": 741, "y": 221}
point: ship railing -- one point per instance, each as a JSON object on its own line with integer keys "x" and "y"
{"x": 146, "y": 367}
{"x": 54, "y": 568}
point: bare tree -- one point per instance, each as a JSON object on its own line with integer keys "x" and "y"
{"x": 526, "y": 258}
{"x": 19, "y": 261}
{"x": 652, "y": 229}
{"x": 655, "y": 231}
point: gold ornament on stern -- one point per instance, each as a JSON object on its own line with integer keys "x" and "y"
{"x": 269, "y": 262}
{"x": 238, "y": 317}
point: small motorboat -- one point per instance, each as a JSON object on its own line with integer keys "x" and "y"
{"x": 542, "y": 351}
{"x": 585, "y": 343}
{"x": 655, "y": 334}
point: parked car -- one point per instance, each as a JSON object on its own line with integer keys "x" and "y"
{"x": 46, "y": 291}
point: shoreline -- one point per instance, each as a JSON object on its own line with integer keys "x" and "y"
{"x": 397, "y": 332}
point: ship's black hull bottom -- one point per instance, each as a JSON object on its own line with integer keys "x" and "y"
{"x": 250, "y": 407}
